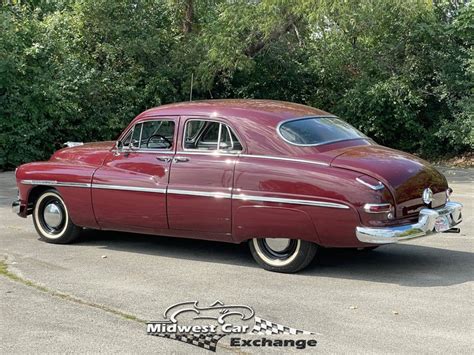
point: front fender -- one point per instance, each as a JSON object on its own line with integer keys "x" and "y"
{"x": 71, "y": 181}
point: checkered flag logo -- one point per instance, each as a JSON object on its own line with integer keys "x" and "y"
{"x": 205, "y": 341}
{"x": 217, "y": 311}
{"x": 265, "y": 327}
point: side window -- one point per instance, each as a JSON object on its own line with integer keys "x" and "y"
{"x": 157, "y": 135}
{"x": 127, "y": 139}
{"x": 193, "y": 128}
{"x": 210, "y": 135}
{"x": 137, "y": 131}
{"x": 228, "y": 140}
{"x": 151, "y": 135}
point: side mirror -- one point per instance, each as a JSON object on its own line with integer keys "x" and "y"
{"x": 118, "y": 145}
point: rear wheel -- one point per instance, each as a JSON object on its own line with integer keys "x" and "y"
{"x": 281, "y": 254}
{"x": 51, "y": 219}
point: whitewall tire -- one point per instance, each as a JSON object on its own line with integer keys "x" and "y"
{"x": 51, "y": 219}
{"x": 281, "y": 254}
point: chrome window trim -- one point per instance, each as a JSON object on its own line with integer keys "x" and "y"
{"x": 218, "y": 142}
{"x": 54, "y": 183}
{"x": 380, "y": 186}
{"x": 219, "y": 137}
{"x": 230, "y": 136}
{"x": 289, "y": 201}
{"x": 215, "y": 153}
{"x": 315, "y": 144}
{"x": 152, "y": 151}
{"x": 200, "y": 193}
{"x": 140, "y": 139}
{"x": 129, "y": 188}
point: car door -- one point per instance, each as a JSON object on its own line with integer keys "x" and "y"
{"x": 201, "y": 178}
{"x": 129, "y": 190}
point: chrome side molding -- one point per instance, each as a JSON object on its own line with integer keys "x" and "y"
{"x": 128, "y": 188}
{"x": 284, "y": 159}
{"x": 242, "y": 197}
{"x": 54, "y": 183}
{"x": 200, "y": 193}
{"x": 289, "y": 201}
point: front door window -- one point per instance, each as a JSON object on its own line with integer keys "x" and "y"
{"x": 153, "y": 135}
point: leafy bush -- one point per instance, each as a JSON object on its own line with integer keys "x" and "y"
{"x": 401, "y": 71}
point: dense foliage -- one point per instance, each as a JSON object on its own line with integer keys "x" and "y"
{"x": 399, "y": 70}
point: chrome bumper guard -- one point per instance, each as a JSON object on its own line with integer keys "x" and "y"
{"x": 429, "y": 221}
{"x": 16, "y": 206}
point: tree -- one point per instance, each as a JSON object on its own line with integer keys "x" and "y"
{"x": 401, "y": 71}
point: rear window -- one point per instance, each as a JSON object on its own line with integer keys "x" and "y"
{"x": 317, "y": 130}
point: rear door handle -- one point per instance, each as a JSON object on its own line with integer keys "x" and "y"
{"x": 165, "y": 159}
{"x": 180, "y": 160}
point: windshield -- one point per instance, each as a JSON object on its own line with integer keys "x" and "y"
{"x": 317, "y": 130}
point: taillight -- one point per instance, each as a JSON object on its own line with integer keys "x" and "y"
{"x": 378, "y": 207}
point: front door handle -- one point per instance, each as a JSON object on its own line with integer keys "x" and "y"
{"x": 180, "y": 160}
{"x": 165, "y": 159}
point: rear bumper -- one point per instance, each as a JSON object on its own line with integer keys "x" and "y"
{"x": 427, "y": 224}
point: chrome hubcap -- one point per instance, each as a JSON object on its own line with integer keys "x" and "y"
{"x": 278, "y": 245}
{"x": 52, "y": 215}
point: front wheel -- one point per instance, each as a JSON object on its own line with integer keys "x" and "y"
{"x": 281, "y": 254}
{"x": 51, "y": 219}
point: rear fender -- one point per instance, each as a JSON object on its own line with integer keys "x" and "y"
{"x": 254, "y": 221}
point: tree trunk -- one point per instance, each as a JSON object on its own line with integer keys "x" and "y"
{"x": 188, "y": 16}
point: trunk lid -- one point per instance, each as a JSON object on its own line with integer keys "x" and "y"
{"x": 404, "y": 174}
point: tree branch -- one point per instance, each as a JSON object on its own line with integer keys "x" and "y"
{"x": 253, "y": 49}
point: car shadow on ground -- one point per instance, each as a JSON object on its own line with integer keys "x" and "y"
{"x": 402, "y": 264}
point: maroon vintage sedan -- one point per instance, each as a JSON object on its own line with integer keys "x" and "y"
{"x": 286, "y": 178}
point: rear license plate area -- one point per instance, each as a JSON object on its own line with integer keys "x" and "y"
{"x": 442, "y": 224}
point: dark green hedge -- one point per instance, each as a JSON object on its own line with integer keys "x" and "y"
{"x": 401, "y": 71}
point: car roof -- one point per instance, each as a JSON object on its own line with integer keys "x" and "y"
{"x": 254, "y": 121}
{"x": 262, "y": 111}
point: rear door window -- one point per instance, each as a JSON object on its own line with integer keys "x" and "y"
{"x": 206, "y": 135}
